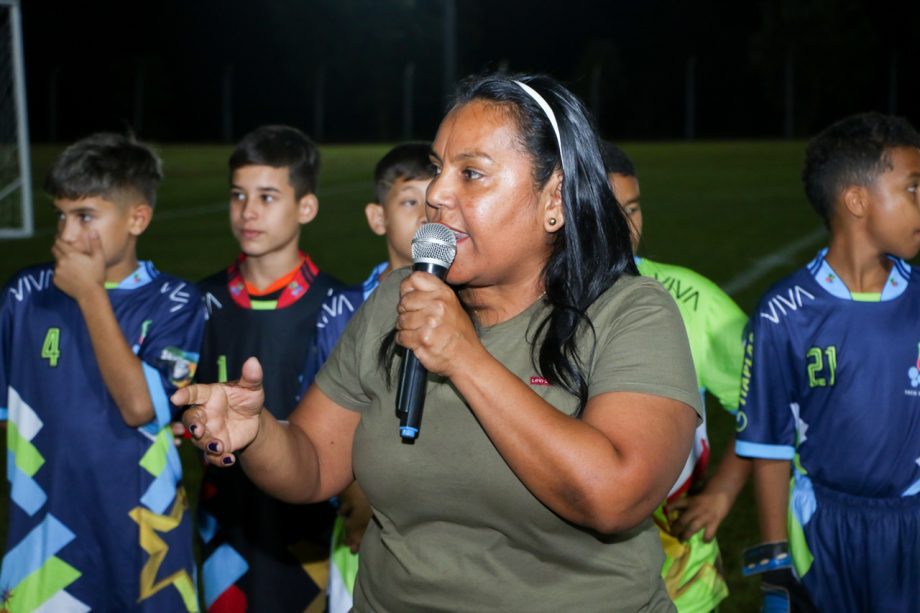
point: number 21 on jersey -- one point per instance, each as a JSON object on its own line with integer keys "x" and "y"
{"x": 822, "y": 366}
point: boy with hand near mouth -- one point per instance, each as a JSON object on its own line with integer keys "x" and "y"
{"x": 90, "y": 349}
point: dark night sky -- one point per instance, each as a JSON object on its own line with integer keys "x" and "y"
{"x": 163, "y": 68}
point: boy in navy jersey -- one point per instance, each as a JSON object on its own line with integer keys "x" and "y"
{"x": 401, "y": 179}
{"x": 262, "y": 554}
{"x": 91, "y": 347}
{"x": 830, "y": 386}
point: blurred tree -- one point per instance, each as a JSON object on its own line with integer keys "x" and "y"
{"x": 827, "y": 51}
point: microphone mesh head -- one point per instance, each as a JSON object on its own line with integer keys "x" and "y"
{"x": 434, "y": 243}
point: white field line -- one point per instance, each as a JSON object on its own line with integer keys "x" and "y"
{"x": 781, "y": 257}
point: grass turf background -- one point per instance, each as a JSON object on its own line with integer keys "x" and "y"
{"x": 715, "y": 207}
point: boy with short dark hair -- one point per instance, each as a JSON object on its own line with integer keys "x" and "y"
{"x": 688, "y": 520}
{"x": 830, "y": 390}
{"x": 401, "y": 179}
{"x": 90, "y": 350}
{"x": 262, "y": 554}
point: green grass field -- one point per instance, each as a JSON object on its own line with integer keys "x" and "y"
{"x": 719, "y": 208}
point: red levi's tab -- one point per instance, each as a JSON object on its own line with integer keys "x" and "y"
{"x": 538, "y": 381}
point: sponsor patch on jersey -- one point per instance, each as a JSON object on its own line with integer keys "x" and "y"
{"x": 913, "y": 375}
{"x": 296, "y": 289}
{"x": 535, "y": 380}
{"x": 182, "y": 365}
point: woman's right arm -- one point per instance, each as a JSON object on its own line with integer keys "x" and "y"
{"x": 307, "y": 459}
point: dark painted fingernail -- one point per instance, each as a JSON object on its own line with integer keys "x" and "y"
{"x": 227, "y": 460}
{"x": 193, "y": 429}
{"x": 212, "y": 447}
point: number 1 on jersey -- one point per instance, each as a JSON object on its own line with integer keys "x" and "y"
{"x": 221, "y": 369}
{"x": 51, "y": 347}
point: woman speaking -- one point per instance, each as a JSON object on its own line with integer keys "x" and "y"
{"x": 561, "y": 400}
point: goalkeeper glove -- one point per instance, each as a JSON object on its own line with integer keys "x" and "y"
{"x": 782, "y": 591}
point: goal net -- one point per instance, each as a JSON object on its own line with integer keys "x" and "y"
{"x": 15, "y": 173}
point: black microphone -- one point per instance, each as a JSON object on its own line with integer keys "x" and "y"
{"x": 433, "y": 249}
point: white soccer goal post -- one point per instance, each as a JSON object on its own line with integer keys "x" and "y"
{"x": 15, "y": 169}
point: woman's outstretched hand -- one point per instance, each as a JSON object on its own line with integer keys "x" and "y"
{"x": 224, "y": 417}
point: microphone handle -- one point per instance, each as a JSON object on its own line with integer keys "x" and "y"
{"x": 410, "y": 398}
{"x": 413, "y": 378}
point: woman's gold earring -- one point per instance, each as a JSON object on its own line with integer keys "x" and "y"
{"x": 552, "y": 221}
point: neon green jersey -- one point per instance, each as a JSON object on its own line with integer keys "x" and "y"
{"x": 715, "y": 326}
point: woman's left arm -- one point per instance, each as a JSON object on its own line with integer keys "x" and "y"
{"x": 607, "y": 470}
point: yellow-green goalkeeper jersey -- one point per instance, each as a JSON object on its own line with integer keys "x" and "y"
{"x": 715, "y": 326}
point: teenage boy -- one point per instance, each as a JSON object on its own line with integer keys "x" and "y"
{"x": 830, "y": 389}
{"x": 401, "y": 179}
{"x": 262, "y": 554}
{"x": 91, "y": 347}
{"x": 694, "y": 509}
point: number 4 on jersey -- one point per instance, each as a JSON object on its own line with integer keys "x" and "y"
{"x": 51, "y": 347}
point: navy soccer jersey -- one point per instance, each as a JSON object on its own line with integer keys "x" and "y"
{"x": 276, "y": 328}
{"x": 98, "y": 515}
{"x": 262, "y": 554}
{"x": 831, "y": 380}
{"x": 337, "y": 310}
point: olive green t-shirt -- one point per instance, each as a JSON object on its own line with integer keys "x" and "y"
{"x": 454, "y": 529}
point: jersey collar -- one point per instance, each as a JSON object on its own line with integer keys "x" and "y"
{"x": 303, "y": 278}
{"x": 373, "y": 280}
{"x": 142, "y": 275}
{"x": 825, "y": 276}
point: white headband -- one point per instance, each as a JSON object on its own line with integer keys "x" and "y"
{"x": 549, "y": 112}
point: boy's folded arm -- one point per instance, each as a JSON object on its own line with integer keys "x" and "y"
{"x": 121, "y": 369}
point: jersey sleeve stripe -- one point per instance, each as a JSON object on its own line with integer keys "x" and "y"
{"x": 767, "y": 452}
{"x": 157, "y": 395}
{"x": 913, "y": 490}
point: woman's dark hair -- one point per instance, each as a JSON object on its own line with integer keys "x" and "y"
{"x": 592, "y": 249}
